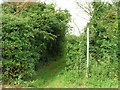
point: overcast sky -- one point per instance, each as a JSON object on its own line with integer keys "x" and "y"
{"x": 77, "y": 14}
{"x": 79, "y": 17}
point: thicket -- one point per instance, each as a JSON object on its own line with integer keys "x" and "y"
{"x": 103, "y": 68}
{"x": 104, "y": 42}
{"x": 31, "y": 33}
{"x": 76, "y": 58}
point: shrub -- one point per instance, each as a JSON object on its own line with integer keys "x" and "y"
{"x": 76, "y": 56}
{"x": 18, "y": 53}
{"x": 104, "y": 41}
{"x": 103, "y": 65}
{"x": 30, "y": 32}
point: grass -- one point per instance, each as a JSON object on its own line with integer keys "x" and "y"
{"x": 107, "y": 83}
{"x": 52, "y": 75}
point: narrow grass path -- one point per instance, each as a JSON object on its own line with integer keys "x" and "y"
{"x": 52, "y": 76}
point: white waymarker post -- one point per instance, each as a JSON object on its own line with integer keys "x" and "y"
{"x": 87, "y": 68}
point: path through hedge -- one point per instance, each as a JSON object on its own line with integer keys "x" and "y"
{"x": 52, "y": 75}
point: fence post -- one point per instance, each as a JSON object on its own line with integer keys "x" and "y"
{"x": 87, "y": 68}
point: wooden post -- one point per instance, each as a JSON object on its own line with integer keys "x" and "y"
{"x": 87, "y": 68}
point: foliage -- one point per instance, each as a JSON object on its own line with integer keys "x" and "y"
{"x": 103, "y": 66}
{"x": 30, "y": 32}
{"x": 76, "y": 57}
{"x": 35, "y": 33}
{"x": 104, "y": 41}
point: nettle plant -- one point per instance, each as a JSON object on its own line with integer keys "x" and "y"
{"x": 76, "y": 57}
{"x": 31, "y": 32}
{"x": 103, "y": 65}
{"x": 104, "y": 41}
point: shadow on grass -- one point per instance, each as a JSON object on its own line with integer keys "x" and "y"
{"x": 48, "y": 73}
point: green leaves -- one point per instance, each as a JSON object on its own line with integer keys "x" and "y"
{"x": 103, "y": 48}
{"x": 103, "y": 40}
{"x": 76, "y": 58}
{"x": 31, "y": 34}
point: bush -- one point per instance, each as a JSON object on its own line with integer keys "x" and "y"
{"x": 18, "y": 55}
{"x": 103, "y": 65}
{"x": 30, "y": 32}
{"x": 104, "y": 42}
{"x": 76, "y": 56}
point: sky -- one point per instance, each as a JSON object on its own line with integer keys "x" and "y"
{"x": 78, "y": 14}
{"x": 79, "y": 17}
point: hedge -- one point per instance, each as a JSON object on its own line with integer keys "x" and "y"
{"x": 30, "y": 33}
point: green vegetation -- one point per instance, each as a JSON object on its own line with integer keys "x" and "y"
{"x": 103, "y": 69}
{"x": 37, "y": 52}
{"x": 52, "y": 75}
{"x": 29, "y": 37}
{"x": 104, "y": 45}
{"x": 76, "y": 58}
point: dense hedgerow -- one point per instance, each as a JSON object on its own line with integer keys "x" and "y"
{"x": 103, "y": 65}
{"x": 32, "y": 32}
{"x": 104, "y": 41}
{"x": 18, "y": 53}
{"x": 76, "y": 57}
